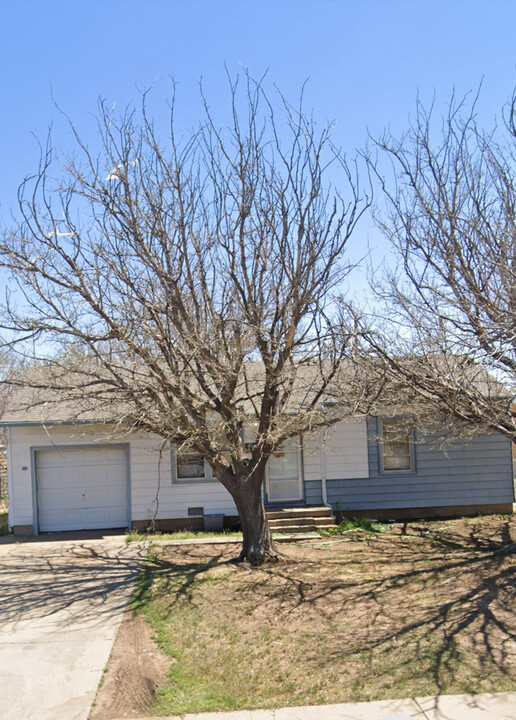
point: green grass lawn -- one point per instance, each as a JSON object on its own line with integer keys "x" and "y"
{"x": 405, "y": 611}
{"x": 134, "y": 536}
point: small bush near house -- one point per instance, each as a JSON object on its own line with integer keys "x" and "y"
{"x": 346, "y": 526}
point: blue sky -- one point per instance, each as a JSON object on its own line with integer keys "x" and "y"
{"x": 366, "y": 60}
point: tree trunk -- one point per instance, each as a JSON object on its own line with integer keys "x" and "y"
{"x": 257, "y": 544}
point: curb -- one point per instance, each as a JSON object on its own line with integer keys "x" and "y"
{"x": 495, "y": 706}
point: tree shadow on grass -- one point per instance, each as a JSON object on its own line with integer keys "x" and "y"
{"x": 428, "y": 612}
{"x": 443, "y": 611}
{"x": 431, "y": 609}
{"x": 175, "y": 580}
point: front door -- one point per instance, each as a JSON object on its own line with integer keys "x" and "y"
{"x": 284, "y": 481}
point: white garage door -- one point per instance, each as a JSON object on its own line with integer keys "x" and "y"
{"x": 81, "y": 489}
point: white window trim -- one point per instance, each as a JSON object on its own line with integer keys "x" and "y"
{"x": 395, "y": 471}
{"x": 208, "y": 477}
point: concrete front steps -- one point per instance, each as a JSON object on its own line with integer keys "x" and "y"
{"x": 295, "y": 520}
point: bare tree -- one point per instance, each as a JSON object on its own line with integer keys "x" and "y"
{"x": 188, "y": 286}
{"x": 11, "y": 368}
{"x": 448, "y": 331}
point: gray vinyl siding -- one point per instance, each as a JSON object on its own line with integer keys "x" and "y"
{"x": 468, "y": 473}
{"x": 313, "y": 492}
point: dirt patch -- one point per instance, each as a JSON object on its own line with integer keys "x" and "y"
{"x": 134, "y": 673}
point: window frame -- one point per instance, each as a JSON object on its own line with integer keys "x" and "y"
{"x": 381, "y": 457}
{"x": 176, "y": 480}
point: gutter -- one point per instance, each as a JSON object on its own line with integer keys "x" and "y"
{"x": 53, "y": 423}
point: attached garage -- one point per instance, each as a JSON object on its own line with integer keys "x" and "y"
{"x": 81, "y": 488}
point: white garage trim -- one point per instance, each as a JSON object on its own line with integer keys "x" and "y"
{"x": 46, "y": 448}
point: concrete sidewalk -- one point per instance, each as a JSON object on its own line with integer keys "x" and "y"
{"x": 498, "y": 706}
{"x": 62, "y": 602}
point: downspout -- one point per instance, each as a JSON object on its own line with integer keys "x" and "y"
{"x": 324, "y": 490}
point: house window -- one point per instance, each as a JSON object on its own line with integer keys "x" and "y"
{"x": 396, "y": 447}
{"x": 190, "y": 467}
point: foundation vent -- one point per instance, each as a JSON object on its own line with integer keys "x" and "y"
{"x": 195, "y": 511}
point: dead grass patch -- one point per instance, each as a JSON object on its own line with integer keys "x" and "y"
{"x": 136, "y": 670}
{"x": 419, "y": 609}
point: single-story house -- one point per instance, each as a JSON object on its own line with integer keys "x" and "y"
{"x": 68, "y": 475}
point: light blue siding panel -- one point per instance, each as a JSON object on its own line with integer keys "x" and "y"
{"x": 313, "y": 493}
{"x": 415, "y": 497}
{"x": 477, "y": 472}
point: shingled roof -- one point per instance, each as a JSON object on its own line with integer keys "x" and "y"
{"x": 63, "y": 395}
{"x": 57, "y": 395}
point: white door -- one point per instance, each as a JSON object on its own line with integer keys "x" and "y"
{"x": 284, "y": 481}
{"x": 81, "y": 489}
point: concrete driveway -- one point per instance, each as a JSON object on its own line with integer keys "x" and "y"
{"x": 61, "y": 602}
